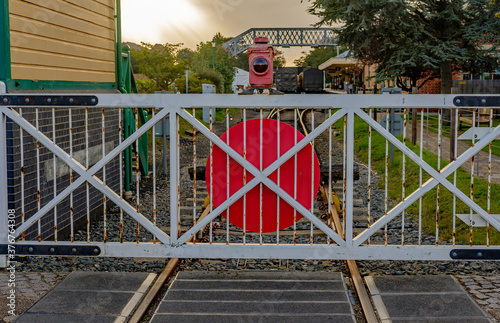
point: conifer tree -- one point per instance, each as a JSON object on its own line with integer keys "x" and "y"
{"x": 417, "y": 39}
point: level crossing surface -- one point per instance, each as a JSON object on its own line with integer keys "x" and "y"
{"x": 255, "y": 296}
{"x": 235, "y": 296}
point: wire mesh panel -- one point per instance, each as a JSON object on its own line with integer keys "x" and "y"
{"x": 283, "y": 177}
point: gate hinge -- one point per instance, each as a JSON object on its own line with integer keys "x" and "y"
{"x": 48, "y": 100}
{"x": 475, "y": 254}
{"x": 476, "y": 101}
{"x": 47, "y": 250}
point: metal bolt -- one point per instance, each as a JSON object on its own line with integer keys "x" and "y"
{"x": 5, "y": 100}
{"x": 71, "y": 100}
{"x": 52, "y": 249}
{"x": 454, "y": 254}
{"x": 483, "y": 101}
{"x": 479, "y": 254}
{"x": 73, "y": 250}
{"x": 30, "y": 249}
{"x": 96, "y": 250}
{"x": 27, "y": 100}
{"x": 457, "y": 101}
{"x": 49, "y": 100}
{"x": 93, "y": 100}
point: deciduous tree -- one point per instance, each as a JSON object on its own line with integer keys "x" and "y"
{"x": 159, "y": 63}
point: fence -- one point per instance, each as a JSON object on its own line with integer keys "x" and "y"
{"x": 477, "y": 86}
{"x": 262, "y": 180}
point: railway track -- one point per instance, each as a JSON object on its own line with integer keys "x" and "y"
{"x": 331, "y": 216}
{"x": 327, "y": 206}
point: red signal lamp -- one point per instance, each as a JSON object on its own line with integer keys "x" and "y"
{"x": 260, "y": 59}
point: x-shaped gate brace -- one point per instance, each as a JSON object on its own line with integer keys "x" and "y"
{"x": 438, "y": 178}
{"x": 261, "y": 177}
{"x": 88, "y": 175}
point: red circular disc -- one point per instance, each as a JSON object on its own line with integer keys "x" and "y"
{"x": 249, "y": 217}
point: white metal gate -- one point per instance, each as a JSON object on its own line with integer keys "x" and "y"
{"x": 161, "y": 228}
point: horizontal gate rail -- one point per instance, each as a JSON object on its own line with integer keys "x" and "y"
{"x": 174, "y": 238}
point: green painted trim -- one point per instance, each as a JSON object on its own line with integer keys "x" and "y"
{"x": 118, "y": 47}
{"x": 4, "y": 41}
{"x": 30, "y": 85}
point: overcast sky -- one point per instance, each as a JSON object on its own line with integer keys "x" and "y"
{"x": 194, "y": 21}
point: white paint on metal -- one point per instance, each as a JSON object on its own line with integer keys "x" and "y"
{"x": 177, "y": 245}
{"x": 476, "y": 220}
{"x": 4, "y": 220}
{"x": 476, "y": 133}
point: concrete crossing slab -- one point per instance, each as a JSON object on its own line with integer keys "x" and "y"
{"x": 90, "y": 297}
{"x": 234, "y": 296}
{"x": 423, "y": 299}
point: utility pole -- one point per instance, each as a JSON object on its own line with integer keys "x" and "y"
{"x": 213, "y": 54}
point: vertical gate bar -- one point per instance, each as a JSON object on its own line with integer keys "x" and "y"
{"x": 278, "y": 118}
{"x": 472, "y": 174}
{"x": 227, "y": 177}
{"x": 313, "y": 193}
{"x": 260, "y": 168}
{"x": 38, "y": 173}
{"x": 440, "y": 140}
{"x": 455, "y": 136}
{"x": 54, "y": 169}
{"x": 120, "y": 162}
{"x": 350, "y": 179}
{"x": 137, "y": 174}
{"x": 488, "y": 201}
{"x": 427, "y": 130}
{"x": 71, "y": 213}
{"x": 329, "y": 170}
{"x": 153, "y": 111}
{"x": 104, "y": 207}
{"x": 174, "y": 187}
{"x": 344, "y": 184}
{"x": 369, "y": 180}
{"x": 87, "y": 168}
{"x": 177, "y": 145}
{"x": 403, "y": 177}
{"x": 244, "y": 175}
{"x": 211, "y": 172}
{"x": 4, "y": 198}
{"x": 422, "y": 115}
{"x": 21, "y": 135}
{"x": 386, "y": 175}
{"x": 71, "y": 174}
{"x": 194, "y": 176}
{"x": 295, "y": 177}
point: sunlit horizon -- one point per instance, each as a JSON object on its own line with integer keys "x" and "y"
{"x": 193, "y": 21}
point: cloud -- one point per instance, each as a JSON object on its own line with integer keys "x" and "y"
{"x": 194, "y": 21}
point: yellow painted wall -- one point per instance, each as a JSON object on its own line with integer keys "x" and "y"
{"x": 62, "y": 40}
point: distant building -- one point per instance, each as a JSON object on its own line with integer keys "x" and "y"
{"x": 240, "y": 80}
{"x": 348, "y": 74}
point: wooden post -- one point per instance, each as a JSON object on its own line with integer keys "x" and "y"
{"x": 414, "y": 117}
{"x": 446, "y": 84}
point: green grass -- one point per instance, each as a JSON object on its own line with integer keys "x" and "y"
{"x": 429, "y": 208}
{"x": 434, "y": 127}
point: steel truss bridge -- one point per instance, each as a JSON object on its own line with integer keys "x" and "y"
{"x": 284, "y": 37}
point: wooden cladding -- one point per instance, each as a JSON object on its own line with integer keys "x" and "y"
{"x": 62, "y": 40}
